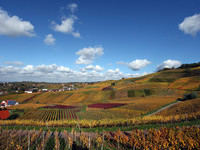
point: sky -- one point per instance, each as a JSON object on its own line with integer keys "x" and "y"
{"x": 95, "y": 40}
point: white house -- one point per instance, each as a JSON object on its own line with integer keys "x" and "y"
{"x": 8, "y": 103}
{"x": 28, "y": 91}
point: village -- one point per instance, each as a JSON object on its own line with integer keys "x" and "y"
{"x": 7, "y": 88}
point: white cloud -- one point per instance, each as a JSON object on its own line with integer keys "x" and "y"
{"x": 191, "y": 25}
{"x": 90, "y": 67}
{"x": 96, "y": 68}
{"x": 14, "y": 63}
{"x": 136, "y": 64}
{"x": 49, "y": 40}
{"x": 72, "y": 7}
{"x": 14, "y": 26}
{"x": 46, "y": 68}
{"x": 63, "y": 69}
{"x": 169, "y": 64}
{"x": 87, "y": 55}
{"x": 54, "y": 73}
{"x": 28, "y": 68}
{"x": 8, "y": 70}
{"x": 66, "y": 26}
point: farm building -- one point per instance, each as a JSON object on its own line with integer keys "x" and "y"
{"x": 28, "y": 91}
{"x": 8, "y": 103}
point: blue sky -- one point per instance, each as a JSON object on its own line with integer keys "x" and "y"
{"x": 76, "y": 40}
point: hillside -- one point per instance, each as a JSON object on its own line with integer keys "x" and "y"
{"x": 164, "y": 83}
{"x": 139, "y": 96}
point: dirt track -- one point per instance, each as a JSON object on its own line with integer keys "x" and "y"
{"x": 168, "y": 106}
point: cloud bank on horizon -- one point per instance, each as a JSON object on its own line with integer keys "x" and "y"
{"x": 54, "y": 73}
{"x": 15, "y": 71}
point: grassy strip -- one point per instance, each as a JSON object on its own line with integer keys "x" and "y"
{"x": 158, "y": 108}
{"x": 83, "y": 109}
{"x": 100, "y": 129}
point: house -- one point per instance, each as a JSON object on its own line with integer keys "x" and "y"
{"x": 28, "y": 91}
{"x": 8, "y": 103}
{"x": 44, "y": 90}
{"x": 3, "y": 92}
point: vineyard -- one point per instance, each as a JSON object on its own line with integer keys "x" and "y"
{"x": 118, "y": 112}
{"x": 163, "y": 138}
{"x": 102, "y": 122}
{"x": 105, "y": 105}
{"x": 18, "y": 97}
{"x": 185, "y": 107}
{"x": 50, "y": 114}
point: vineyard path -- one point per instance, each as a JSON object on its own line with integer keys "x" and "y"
{"x": 168, "y": 106}
{"x": 28, "y": 99}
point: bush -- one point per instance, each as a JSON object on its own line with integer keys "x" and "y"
{"x": 13, "y": 116}
{"x": 147, "y": 92}
{"x": 112, "y": 84}
{"x": 187, "y": 96}
{"x": 131, "y": 93}
{"x": 50, "y": 145}
{"x": 179, "y": 99}
{"x": 194, "y": 95}
{"x": 198, "y": 89}
{"x": 62, "y": 144}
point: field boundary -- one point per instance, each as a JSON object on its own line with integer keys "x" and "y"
{"x": 163, "y": 108}
{"x": 101, "y": 129}
{"x": 28, "y": 99}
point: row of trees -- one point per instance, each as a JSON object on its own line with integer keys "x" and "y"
{"x": 183, "y": 66}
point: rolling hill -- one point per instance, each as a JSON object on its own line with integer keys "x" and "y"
{"x": 141, "y": 95}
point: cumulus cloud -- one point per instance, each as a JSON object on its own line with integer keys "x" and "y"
{"x": 14, "y": 26}
{"x": 87, "y": 55}
{"x": 8, "y": 70}
{"x": 66, "y": 26}
{"x": 14, "y": 63}
{"x": 55, "y": 73}
{"x": 46, "y": 68}
{"x": 191, "y": 25}
{"x": 72, "y": 7}
{"x": 96, "y": 68}
{"x": 63, "y": 69}
{"x": 136, "y": 64}
{"x": 49, "y": 40}
{"x": 28, "y": 68}
{"x": 169, "y": 64}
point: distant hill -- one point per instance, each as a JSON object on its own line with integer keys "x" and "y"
{"x": 174, "y": 82}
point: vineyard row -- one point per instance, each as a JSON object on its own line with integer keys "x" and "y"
{"x": 164, "y": 138}
{"x": 50, "y": 115}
